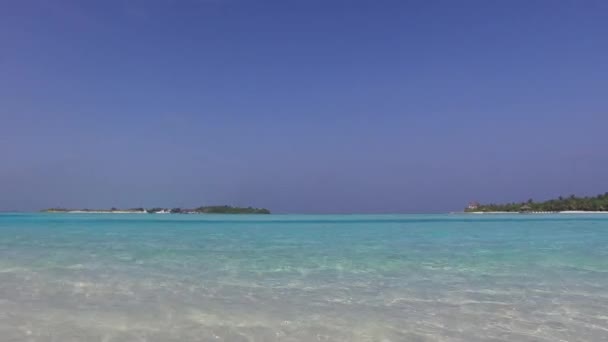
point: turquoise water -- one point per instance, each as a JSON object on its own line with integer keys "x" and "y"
{"x": 133, "y": 277}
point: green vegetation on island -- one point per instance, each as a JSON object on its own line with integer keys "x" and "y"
{"x": 219, "y": 209}
{"x": 214, "y": 209}
{"x": 571, "y": 203}
{"x": 226, "y": 209}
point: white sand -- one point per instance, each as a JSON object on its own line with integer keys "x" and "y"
{"x": 582, "y": 212}
{"x": 105, "y": 212}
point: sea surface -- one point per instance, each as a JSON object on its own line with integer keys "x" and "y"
{"x": 139, "y": 277}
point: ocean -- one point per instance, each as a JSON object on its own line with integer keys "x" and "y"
{"x": 138, "y": 277}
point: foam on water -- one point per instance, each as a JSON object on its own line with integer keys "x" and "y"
{"x": 303, "y": 278}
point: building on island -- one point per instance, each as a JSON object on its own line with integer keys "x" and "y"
{"x": 474, "y": 205}
{"x": 525, "y": 208}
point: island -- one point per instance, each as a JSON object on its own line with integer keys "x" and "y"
{"x": 214, "y": 209}
{"x": 571, "y": 204}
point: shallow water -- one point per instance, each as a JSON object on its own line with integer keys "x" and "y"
{"x": 132, "y": 277}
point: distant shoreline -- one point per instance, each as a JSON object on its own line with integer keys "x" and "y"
{"x": 534, "y": 212}
{"x": 562, "y": 205}
{"x": 97, "y": 212}
{"x": 215, "y": 209}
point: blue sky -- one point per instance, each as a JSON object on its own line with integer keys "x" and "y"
{"x": 301, "y": 106}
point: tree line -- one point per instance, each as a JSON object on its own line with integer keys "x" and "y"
{"x": 588, "y": 203}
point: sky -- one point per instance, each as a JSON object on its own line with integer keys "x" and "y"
{"x": 301, "y": 106}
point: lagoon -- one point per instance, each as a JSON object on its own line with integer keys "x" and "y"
{"x": 120, "y": 277}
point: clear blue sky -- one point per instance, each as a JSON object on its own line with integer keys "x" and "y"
{"x": 301, "y": 106}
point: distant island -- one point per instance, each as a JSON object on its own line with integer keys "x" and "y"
{"x": 214, "y": 209}
{"x": 561, "y": 204}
